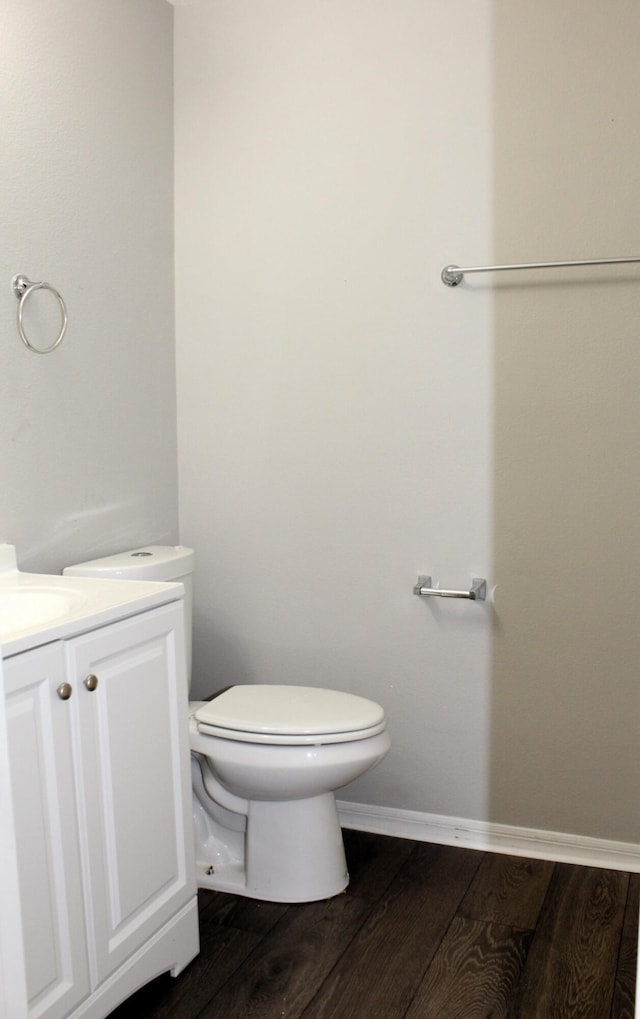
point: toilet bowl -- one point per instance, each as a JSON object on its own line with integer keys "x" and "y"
{"x": 283, "y": 774}
{"x": 266, "y": 761}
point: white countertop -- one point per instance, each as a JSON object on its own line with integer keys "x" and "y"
{"x": 37, "y": 608}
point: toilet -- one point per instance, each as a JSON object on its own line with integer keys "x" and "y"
{"x": 265, "y": 763}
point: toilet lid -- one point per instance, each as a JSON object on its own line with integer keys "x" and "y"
{"x": 288, "y": 714}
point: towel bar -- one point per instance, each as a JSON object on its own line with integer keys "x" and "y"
{"x": 451, "y": 275}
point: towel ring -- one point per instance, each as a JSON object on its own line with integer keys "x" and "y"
{"x": 23, "y": 288}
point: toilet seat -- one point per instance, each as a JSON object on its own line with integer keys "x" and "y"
{"x": 296, "y": 740}
{"x": 289, "y": 716}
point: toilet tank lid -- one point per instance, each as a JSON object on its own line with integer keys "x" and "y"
{"x": 289, "y": 710}
{"x": 151, "y": 562}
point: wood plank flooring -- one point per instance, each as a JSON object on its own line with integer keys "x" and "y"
{"x": 422, "y": 932}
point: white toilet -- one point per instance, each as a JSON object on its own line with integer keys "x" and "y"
{"x": 265, "y": 763}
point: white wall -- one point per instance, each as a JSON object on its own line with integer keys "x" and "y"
{"x": 334, "y": 397}
{"x": 87, "y": 444}
{"x": 565, "y": 702}
{"x": 346, "y": 422}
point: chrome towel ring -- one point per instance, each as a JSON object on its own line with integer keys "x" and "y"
{"x": 23, "y": 288}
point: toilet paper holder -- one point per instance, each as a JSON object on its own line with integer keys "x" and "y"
{"x": 477, "y": 592}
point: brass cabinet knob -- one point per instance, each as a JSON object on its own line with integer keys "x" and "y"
{"x": 91, "y": 682}
{"x": 64, "y": 691}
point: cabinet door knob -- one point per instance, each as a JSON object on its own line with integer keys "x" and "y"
{"x": 91, "y": 682}
{"x": 64, "y": 691}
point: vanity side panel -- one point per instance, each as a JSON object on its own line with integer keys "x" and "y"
{"x": 13, "y": 989}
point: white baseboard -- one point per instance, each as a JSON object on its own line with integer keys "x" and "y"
{"x": 496, "y": 838}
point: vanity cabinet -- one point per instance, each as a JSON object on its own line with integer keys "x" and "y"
{"x": 99, "y": 769}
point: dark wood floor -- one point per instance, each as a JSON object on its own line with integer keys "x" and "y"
{"x": 422, "y": 932}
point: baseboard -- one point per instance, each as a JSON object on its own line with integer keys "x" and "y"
{"x": 496, "y": 838}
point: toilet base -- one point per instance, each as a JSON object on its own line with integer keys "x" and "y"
{"x": 293, "y": 853}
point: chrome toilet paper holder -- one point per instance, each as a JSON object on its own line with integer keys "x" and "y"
{"x": 477, "y": 591}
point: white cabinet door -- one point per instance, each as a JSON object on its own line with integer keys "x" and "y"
{"x": 39, "y": 725}
{"x": 132, "y": 782}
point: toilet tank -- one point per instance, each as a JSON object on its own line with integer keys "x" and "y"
{"x": 152, "y": 562}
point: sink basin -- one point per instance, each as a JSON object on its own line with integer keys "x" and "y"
{"x": 22, "y": 608}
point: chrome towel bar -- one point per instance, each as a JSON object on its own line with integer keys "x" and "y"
{"x": 451, "y": 275}
{"x": 478, "y": 590}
